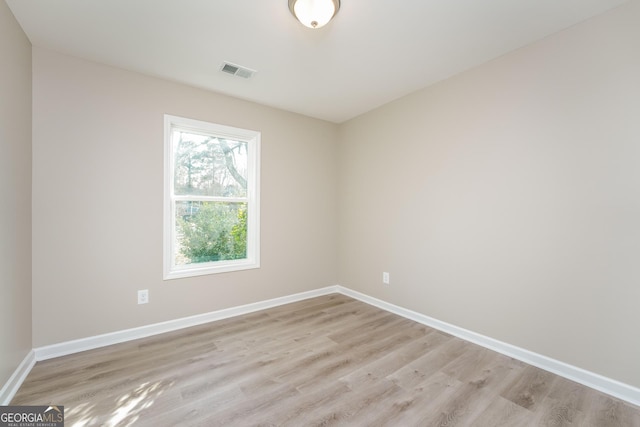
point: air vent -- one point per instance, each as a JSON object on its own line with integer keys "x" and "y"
{"x": 237, "y": 70}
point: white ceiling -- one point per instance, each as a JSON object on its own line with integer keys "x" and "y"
{"x": 374, "y": 51}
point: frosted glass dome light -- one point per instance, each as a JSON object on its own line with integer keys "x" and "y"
{"x": 314, "y": 13}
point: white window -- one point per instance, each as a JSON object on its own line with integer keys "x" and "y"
{"x": 212, "y": 202}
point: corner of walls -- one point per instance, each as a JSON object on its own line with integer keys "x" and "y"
{"x": 11, "y": 386}
{"x": 15, "y": 208}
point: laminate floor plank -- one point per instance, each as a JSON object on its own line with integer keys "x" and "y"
{"x": 357, "y": 406}
{"x": 565, "y": 405}
{"x": 411, "y": 407}
{"x": 419, "y": 370}
{"x": 476, "y": 393}
{"x": 461, "y": 408}
{"x": 504, "y": 413}
{"x": 389, "y": 363}
{"x": 530, "y": 388}
{"x": 610, "y": 412}
{"x": 347, "y": 358}
{"x": 309, "y": 406}
{"x": 495, "y": 373}
{"x": 324, "y": 361}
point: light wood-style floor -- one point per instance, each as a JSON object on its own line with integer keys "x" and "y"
{"x": 324, "y": 361}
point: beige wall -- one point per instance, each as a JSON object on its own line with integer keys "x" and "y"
{"x": 15, "y": 194}
{"x": 98, "y": 194}
{"x": 506, "y": 200}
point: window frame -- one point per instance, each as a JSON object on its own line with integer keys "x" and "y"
{"x": 252, "y": 138}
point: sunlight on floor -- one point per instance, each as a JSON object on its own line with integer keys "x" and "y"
{"x": 128, "y": 408}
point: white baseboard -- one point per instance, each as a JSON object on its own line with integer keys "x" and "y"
{"x": 598, "y": 382}
{"x": 89, "y": 343}
{"x": 606, "y": 385}
{"x": 17, "y": 378}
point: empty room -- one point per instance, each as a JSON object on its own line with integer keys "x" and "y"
{"x": 320, "y": 212}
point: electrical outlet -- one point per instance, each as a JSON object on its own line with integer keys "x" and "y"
{"x": 385, "y": 278}
{"x": 143, "y": 296}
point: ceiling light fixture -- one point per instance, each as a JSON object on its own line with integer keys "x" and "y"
{"x": 314, "y": 13}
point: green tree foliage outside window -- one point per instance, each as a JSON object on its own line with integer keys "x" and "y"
{"x": 216, "y": 232}
{"x": 210, "y": 167}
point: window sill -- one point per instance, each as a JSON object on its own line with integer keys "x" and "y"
{"x": 210, "y": 268}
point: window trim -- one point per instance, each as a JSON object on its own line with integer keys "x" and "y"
{"x": 252, "y": 138}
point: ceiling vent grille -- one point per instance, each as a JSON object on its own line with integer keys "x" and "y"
{"x": 237, "y": 70}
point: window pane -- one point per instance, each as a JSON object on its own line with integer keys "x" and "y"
{"x": 209, "y": 166}
{"x": 210, "y": 231}
{"x": 211, "y": 194}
